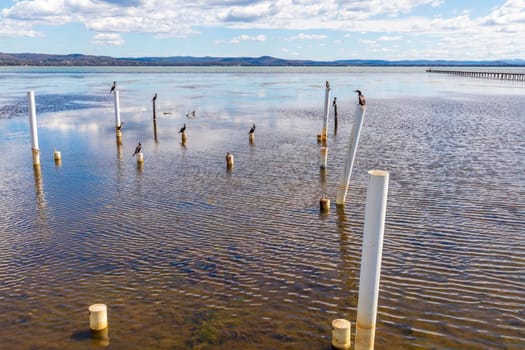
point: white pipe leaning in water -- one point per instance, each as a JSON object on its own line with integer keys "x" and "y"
{"x": 98, "y": 317}
{"x": 371, "y": 255}
{"x": 32, "y": 128}
{"x": 324, "y": 133}
{"x": 117, "y": 109}
{"x": 324, "y": 157}
{"x": 341, "y": 334}
{"x": 352, "y": 150}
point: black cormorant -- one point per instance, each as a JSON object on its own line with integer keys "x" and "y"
{"x": 155, "y": 97}
{"x": 120, "y": 126}
{"x": 362, "y": 100}
{"x": 113, "y": 87}
{"x": 183, "y": 128}
{"x": 137, "y": 149}
{"x": 252, "y": 130}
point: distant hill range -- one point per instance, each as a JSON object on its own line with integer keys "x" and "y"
{"x": 34, "y": 59}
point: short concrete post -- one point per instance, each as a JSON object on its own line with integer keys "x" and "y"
{"x": 35, "y": 151}
{"x": 98, "y": 317}
{"x": 324, "y": 204}
{"x": 324, "y": 132}
{"x": 140, "y": 158}
{"x": 229, "y": 160}
{"x": 116, "y": 99}
{"x": 372, "y": 251}
{"x": 341, "y": 334}
{"x": 352, "y": 150}
{"x": 184, "y": 137}
{"x": 57, "y": 156}
{"x": 324, "y": 157}
{"x": 251, "y": 137}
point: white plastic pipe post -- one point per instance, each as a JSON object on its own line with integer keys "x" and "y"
{"x": 352, "y": 150}
{"x": 323, "y": 157}
{"x": 341, "y": 333}
{"x": 371, "y": 255}
{"x": 324, "y": 133}
{"x": 140, "y": 158}
{"x": 98, "y": 317}
{"x": 117, "y": 108}
{"x": 33, "y": 127}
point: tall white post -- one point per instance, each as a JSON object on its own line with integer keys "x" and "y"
{"x": 324, "y": 133}
{"x": 33, "y": 128}
{"x": 372, "y": 252}
{"x": 352, "y": 150}
{"x": 117, "y": 108}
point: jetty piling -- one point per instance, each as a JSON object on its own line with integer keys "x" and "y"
{"x": 116, "y": 99}
{"x": 481, "y": 74}
{"x": 352, "y": 150}
{"x": 372, "y": 250}
{"x": 324, "y": 132}
{"x": 323, "y": 157}
{"x": 33, "y": 128}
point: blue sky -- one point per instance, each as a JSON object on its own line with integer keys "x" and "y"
{"x": 293, "y": 29}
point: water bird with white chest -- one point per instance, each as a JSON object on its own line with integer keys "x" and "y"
{"x": 137, "y": 149}
{"x": 361, "y": 98}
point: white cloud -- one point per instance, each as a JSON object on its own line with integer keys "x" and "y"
{"x": 489, "y": 34}
{"x": 389, "y": 38}
{"x": 107, "y": 39}
{"x": 303, "y": 36}
{"x": 244, "y": 37}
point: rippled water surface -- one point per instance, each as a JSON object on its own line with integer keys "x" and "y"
{"x": 190, "y": 255}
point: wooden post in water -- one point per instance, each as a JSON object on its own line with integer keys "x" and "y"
{"x": 154, "y": 99}
{"x": 324, "y": 132}
{"x": 371, "y": 256}
{"x": 352, "y": 150}
{"x": 35, "y": 151}
{"x": 334, "y": 104}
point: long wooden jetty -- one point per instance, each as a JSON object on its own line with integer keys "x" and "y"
{"x": 481, "y": 74}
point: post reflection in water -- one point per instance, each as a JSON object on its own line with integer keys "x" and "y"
{"x": 41, "y": 203}
{"x": 155, "y": 130}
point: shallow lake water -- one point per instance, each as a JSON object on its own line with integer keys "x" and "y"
{"x": 188, "y": 254}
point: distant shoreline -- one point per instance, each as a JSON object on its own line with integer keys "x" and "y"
{"x": 74, "y": 60}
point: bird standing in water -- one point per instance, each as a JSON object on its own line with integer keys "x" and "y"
{"x": 183, "y": 128}
{"x": 252, "y": 130}
{"x": 137, "y": 149}
{"x": 113, "y": 87}
{"x": 361, "y": 97}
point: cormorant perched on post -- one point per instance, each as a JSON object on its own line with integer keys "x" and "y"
{"x": 183, "y": 128}
{"x": 154, "y": 97}
{"x": 252, "y": 130}
{"x": 362, "y": 100}
{"x": 137, "y": 149}
{"x": 113, "y": 87}
{"x": 120, "y": 126}
{"x": 327, "y": 85}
